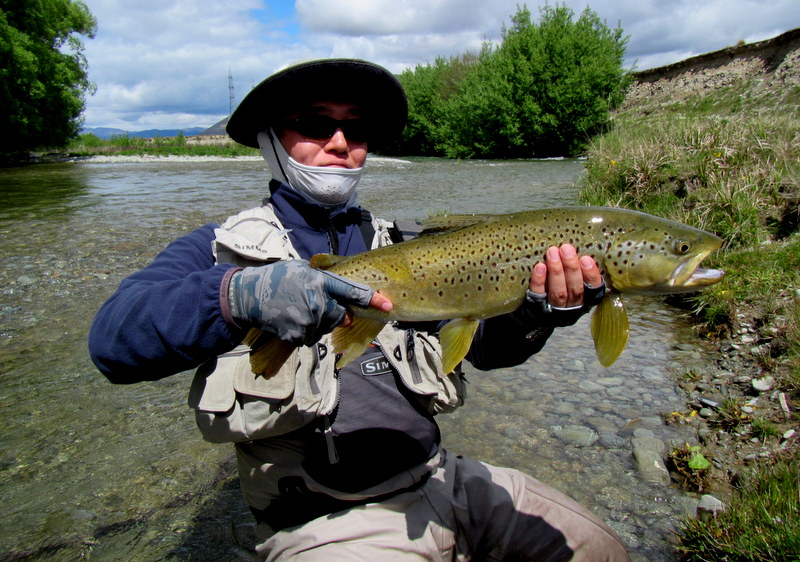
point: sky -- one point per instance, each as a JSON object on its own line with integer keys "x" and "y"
{"x": 168, "y": 64}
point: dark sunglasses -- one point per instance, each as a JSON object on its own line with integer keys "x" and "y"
{"x": 322, "y": 127}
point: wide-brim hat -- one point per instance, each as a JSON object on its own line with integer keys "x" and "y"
{"x": 376, "y": 90}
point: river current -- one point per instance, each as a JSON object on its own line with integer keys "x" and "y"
{"x": 90, "y": 469}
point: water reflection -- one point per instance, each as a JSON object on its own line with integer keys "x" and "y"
{"x": 30, "y": 192}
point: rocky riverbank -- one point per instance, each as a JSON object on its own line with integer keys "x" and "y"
{"x": 737, "y": 403}
{"x": 737, "y": 410}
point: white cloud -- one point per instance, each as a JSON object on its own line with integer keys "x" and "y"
{"x": 400, "y": 17}
{"x": 165, "y": 63}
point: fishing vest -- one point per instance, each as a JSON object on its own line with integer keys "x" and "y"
{"x": 233, "y": 405}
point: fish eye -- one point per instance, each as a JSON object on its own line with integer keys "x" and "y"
{"x": 681, "y": 247}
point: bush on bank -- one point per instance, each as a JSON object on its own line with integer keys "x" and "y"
{"x": 544, "y": 91}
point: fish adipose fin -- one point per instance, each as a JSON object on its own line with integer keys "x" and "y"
{"x": 456, "y": 337}
{"x": 267, "y": 352}
{"x": 352, "y": 340}
{"x": 609, "y": 329}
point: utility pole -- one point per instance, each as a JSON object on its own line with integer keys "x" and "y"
{"x": 230, "y": 91}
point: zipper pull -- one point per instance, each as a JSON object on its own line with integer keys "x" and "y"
{"x": 333, "y": 455}
{"x": 410, "y": 344}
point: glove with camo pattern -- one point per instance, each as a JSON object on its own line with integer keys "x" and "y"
{"x": 292, "y": 300}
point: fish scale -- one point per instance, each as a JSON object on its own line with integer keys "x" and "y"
{"x": 465, "y": 268}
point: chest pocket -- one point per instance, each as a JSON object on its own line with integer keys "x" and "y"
{"x": 231, "y": 404}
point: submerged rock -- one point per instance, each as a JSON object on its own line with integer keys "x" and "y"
{"x": 648, "y": 452}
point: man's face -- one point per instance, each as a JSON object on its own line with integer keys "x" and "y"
{"x": 322, "y": 142}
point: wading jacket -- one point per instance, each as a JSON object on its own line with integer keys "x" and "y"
{"x": 167, "y": 318}
{"x": 263, "y": 416}
{"x": 305, "y": 388}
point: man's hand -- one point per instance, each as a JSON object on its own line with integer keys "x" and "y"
{"x": 562, "y": 289}
{"x": 295, "y": 301}
{"x": 563, "y": 277}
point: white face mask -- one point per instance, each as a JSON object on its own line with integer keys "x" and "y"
{"x": 328, "y": 187}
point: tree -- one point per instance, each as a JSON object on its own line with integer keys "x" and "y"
{"x": 43, "y": 72}
{"x": 428, "y": 88}
{"x": 544, "y": 91}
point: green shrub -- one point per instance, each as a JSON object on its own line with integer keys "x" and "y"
{"x": 544, "y": 91}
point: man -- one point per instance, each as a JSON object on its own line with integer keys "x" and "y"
{"x": 340, "y": 464}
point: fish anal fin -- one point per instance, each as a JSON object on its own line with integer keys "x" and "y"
{"x": 325, "y": 261}
{"x": 456, "y": 337}
{"x": 609, "y": 329}
{"x": 252, "y": 337}
{"x": 268, "y": 354}
{"x": 352, "y": 340}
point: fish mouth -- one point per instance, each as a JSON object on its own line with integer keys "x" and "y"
{"x": 688, "y": 276}
{"x": 701, "y": 277}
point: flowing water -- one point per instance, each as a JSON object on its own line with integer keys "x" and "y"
{"x": 88, "y": 468}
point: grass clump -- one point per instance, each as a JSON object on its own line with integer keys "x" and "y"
{"x": 693, "y": 467}
{"x": 762, "y": 521}
{"x": 737, "y": 176}
{"x": 727, "y": 162}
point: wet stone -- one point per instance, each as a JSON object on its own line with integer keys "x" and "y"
{"x": 577, "y": 435}
{"x": 612, "y": 441}
{"x": 643, "y": 432}
{"x": 763, "y": 384}
{"x": 591, "y": 386}
{"x": 647, "y": 453}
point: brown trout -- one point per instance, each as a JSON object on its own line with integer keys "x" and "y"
{"x": 465, "y": 268}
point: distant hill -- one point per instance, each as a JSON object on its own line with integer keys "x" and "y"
{"x": 106, "y": 132}
{"x": 216, "y": 129}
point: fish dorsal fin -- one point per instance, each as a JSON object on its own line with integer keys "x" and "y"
{"x": 325, "y": 261}
{"x": 609, "y": 329}
{"x": 438, "y": 225}
{"x": 456, "y": 337}
{"x": 352, "y": 340}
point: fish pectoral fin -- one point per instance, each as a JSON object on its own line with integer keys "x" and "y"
{"x": 609, "y": 329}
{"x": 325, "y": 261}
{"x": 456, "y": 337}
{"x": 268, "y": 353}
{"x": 352, "y": 340}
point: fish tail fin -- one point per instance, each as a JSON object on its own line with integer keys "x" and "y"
{"x": 456, "y": 337}
{"x": 352, "y": 340}
{"x": 268, "y": 353}
{"x": 609, "y": 329}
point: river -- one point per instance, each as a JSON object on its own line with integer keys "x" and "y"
{"x": 88, "y": 468}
